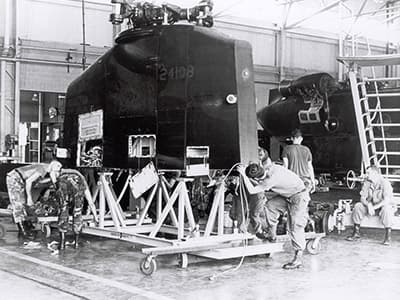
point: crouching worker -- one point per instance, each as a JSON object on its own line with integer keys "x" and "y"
{"x": 71, "y": 192}
{"x": 291, "y": 196}
{"x": 19, "y": 184}
{"x": 376, "y": 198}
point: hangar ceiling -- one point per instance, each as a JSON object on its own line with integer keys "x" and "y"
{"x": 375, "y": 19}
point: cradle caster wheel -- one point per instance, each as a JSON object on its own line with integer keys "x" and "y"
{"x": 2, "y": 231}
{"x": 46, "y": 230}
{"x": 148, "y": 265}
{"x": 313, "y": 247}
{"x": 183, "y": 260}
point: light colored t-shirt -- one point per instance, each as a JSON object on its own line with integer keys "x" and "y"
{"x": 282, "y": 181}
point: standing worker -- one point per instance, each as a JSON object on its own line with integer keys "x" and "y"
{"x": 263, "y": 156}
{"x": 71, "y": 192}
{"x": 376, "y": 197}
{"x": 298, "y": 159}
{"x": 19, "y": 184}
{"x": 291, "y": 196}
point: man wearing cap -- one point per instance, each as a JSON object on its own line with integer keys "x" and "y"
{"x": 298, "y": 158}
{"x": 19, "y": 185}
{"x": 291, "y": 195}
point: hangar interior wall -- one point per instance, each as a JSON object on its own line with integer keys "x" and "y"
{"x": 41, "y": 50}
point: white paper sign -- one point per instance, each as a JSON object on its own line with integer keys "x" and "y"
{"x": 91, "y": 126}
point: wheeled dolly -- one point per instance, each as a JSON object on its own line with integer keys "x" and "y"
{"x": 148, "y": 265}
{"x": 43, "y": 223}
{"x": 184, "y": 235}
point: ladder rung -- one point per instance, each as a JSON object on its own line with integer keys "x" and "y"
{"x": 396, "y": 179}
{"x": 383, "y": 95}
{"x": 381, "y": 79}
{"x": 392, "y": 175}
{"x": 390, "y": 166}
{"x": 385, "y": 124}
{"x": 388, "y": 139}
{"x": 385, "y": 110}
{"x": 388, "y": 152}
{"x": 370, "y": 143}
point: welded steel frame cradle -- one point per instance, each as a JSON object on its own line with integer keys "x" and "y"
{"x": 211, "y": 242}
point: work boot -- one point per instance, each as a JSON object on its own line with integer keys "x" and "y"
{"x": 61, "y": 245}
{"x": 296, "y": 262}
{"x": 356, "y": 233}
{"x": 76, "y": 241}
{"x": 388, "y": 238}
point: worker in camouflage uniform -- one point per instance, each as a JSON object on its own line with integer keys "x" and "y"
{"x": 19, "y": 185}
{"x": 71, "y": 192}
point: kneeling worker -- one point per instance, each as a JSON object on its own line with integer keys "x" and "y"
{"x": 376, "y": 197}
{"x": 291, "y": 196}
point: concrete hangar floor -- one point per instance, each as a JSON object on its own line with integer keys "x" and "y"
{"x": 109, "y": 269}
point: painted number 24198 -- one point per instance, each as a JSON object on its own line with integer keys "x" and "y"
{"x": 176, "y": 72}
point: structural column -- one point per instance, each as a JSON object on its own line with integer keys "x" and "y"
{"x": 3, "y": 69}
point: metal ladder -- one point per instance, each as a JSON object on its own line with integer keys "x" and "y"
{"x": 379, "y": 136}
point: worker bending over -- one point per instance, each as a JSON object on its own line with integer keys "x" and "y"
{"x": 257, "y": 212}
{"x": 376, "y": 197}
{"x": 290, "y": 195}
{"x": 19, "y": 184}
{"x": 298, "y": 158}
{"x": 71, "y": 192}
